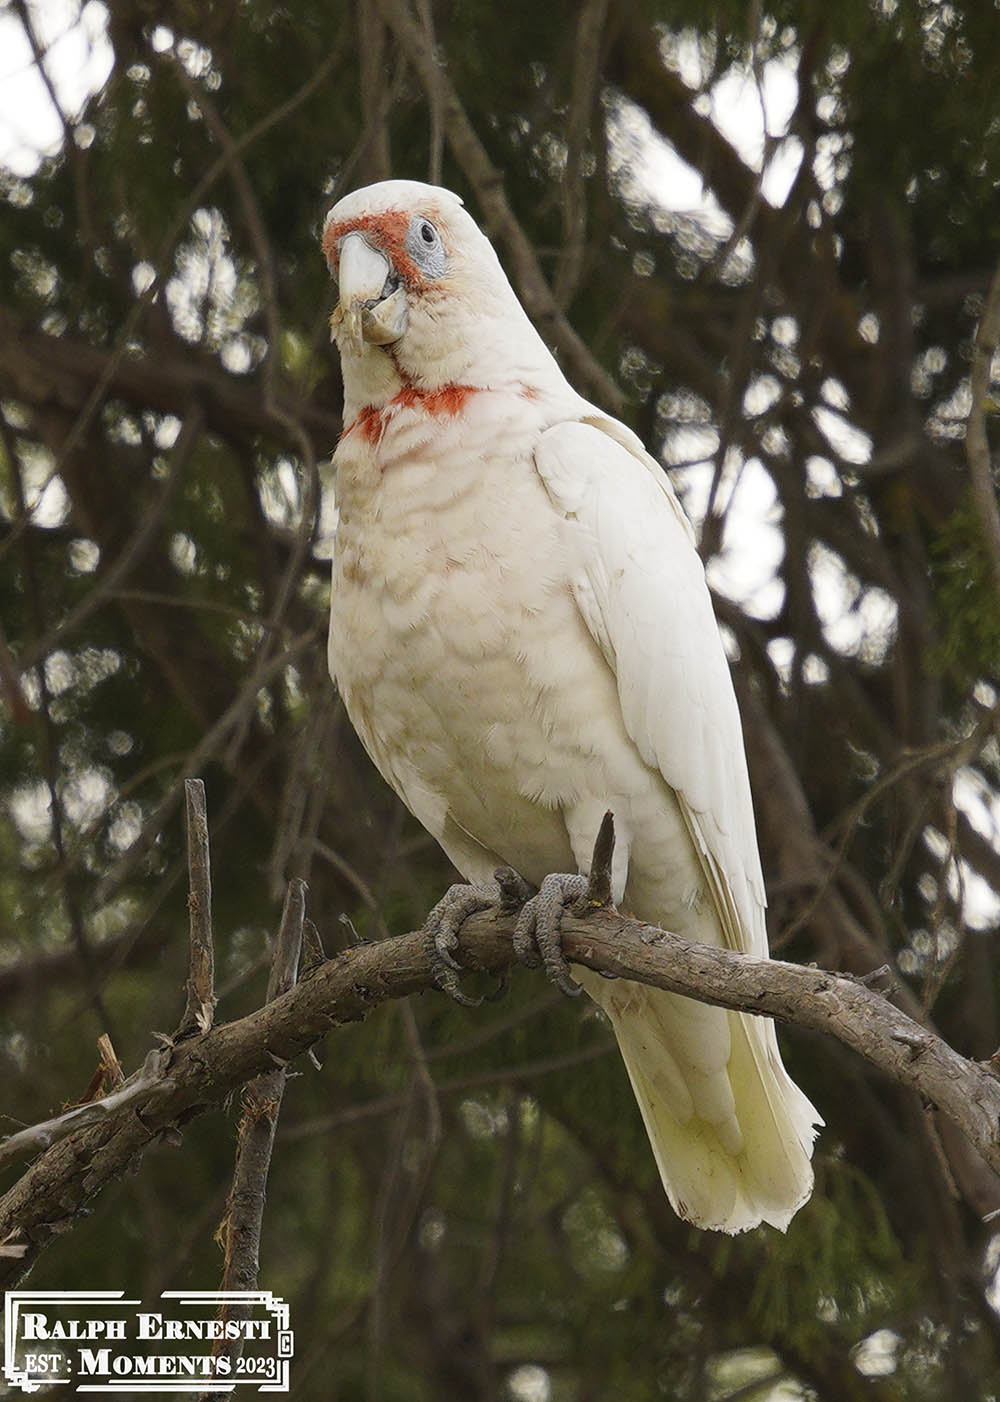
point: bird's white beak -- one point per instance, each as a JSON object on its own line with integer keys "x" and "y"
{"x": 372, "y": 302}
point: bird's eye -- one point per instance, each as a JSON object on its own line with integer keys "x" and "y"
{"x": 425, "y": 247}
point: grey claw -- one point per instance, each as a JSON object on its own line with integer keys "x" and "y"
{"x": 448, "y": 983}
{"x": 441, "y": 935}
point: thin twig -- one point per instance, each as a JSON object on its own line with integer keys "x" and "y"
{"x": 200, "y": 987}
{"x": 111, "y": 1067}
{"x": 313, "y": 953}
{"x": 435, "y": 160}
{"x": 244, "y": 1217}
{"x": 582, "y": 103}
{"x": 375, "y": 150}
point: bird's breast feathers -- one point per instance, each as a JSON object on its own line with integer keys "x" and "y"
{"x": 439, "y": 509}
{"x": 455, "y": 640}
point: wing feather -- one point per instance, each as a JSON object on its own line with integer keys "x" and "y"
{"x": 640, "y": 586}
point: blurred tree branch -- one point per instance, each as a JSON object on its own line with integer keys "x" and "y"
{"x": 42, "y": 369}
{"x": 977, "y": 444}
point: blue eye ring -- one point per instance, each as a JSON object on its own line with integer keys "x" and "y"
{"x": 425, "y": 247}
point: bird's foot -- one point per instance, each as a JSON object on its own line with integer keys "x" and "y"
{"x": 537, "y": 938}
{"x": 441, "y": 935}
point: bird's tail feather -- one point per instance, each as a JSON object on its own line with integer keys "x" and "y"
{"x": 731, "y": 1132}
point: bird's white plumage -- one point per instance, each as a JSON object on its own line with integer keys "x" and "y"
{"x": 641, "y": 588}
{"x": 523, "y": 637}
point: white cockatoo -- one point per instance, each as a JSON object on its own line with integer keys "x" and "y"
{"x": 523, "y": 639}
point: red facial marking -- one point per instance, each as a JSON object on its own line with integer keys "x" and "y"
{"x": 386, "y": 232}
{"x": 446, "y": 402}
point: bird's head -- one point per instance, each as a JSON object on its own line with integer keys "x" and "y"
{"x": 422, "y": 295}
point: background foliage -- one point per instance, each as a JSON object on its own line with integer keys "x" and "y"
{"x": 460, "y": 1205}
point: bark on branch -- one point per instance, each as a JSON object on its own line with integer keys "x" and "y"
{"x": 197, "y": 1074}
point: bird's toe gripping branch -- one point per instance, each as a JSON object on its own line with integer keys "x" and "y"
{"x": 537, "y": 938}
{"x": 441, "y": 934}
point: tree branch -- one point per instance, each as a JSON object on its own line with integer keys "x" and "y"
{"x": 977, "y": 445}
{"x": 39, "y": 369}
{"x": 191, "y": 1077}
{"x": 261, "y": 1105}
{"x": 200, "y": 987}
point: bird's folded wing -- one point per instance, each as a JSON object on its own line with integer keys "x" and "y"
{"x": 640, "y": 586}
